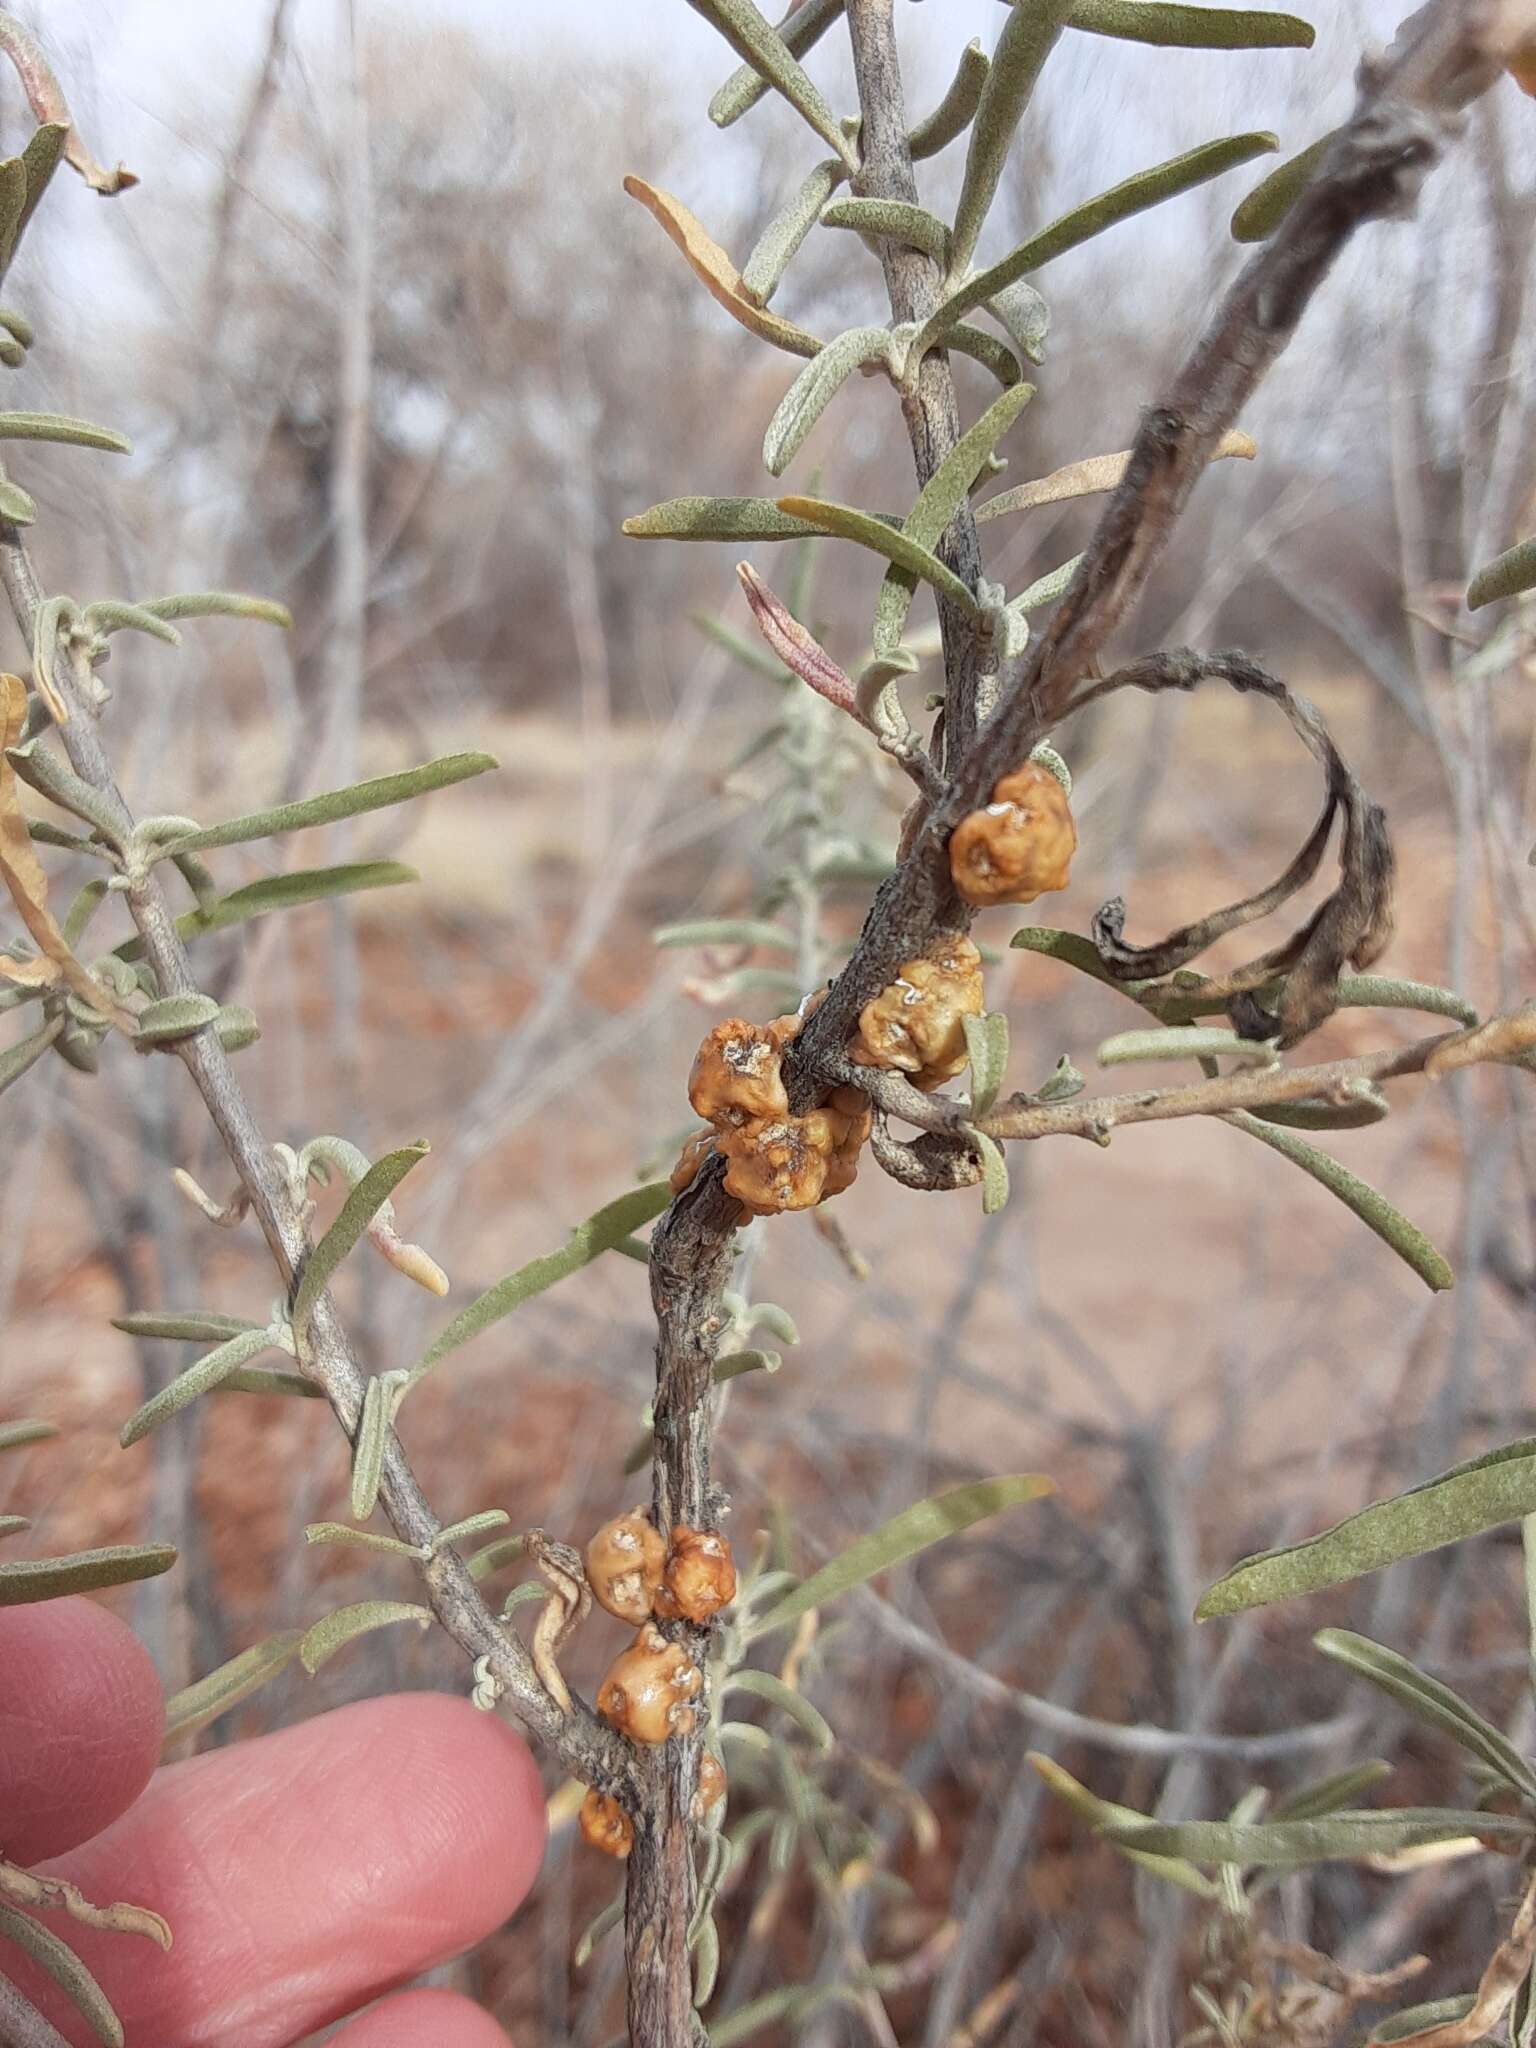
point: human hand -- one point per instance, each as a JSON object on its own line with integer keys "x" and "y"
{"x": 302, "y": 1873}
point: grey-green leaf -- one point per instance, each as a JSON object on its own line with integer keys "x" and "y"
{"x": 191, "y": 1326}
{"x": 897, "y": 220}
{"x": 59, "y": 1961}
{"x": 1344, "y": 1837}
{"x": 1132, "y": 196}
{"x": 357, "y": 1212}
{"x": 1327, "y": 1795}
{"x": 373, "y": 1429}
{"x": 763, "y": 1685}
{"x": 813, "y": 389}
{"x": 175, "y": 1017}
{"x": 1373, "y": 1209}
{"x": 755, "y": 39}
{"x": 871, "y": 531}
{"x": 15, "y": 1436}
{"x": 717, "y": 519}
{"x": 110, "y": 615}
{"x": 1102, "y": 1814}
{"x": 1482, "y": 1493}
{"x": 1418, "y": 2019}
{"x": 1505, "y": 576}
{"x": 282, "y": 892}
{"x": 776, "y": 247}
{"x": 1029, "y": 35}
{"x": 914, "y": 1529}
{"x": 986, "y": 1042}
{"x": 219, "y": 604}
{"x": 1185, "y": 1042}
{"x": 725, "y": 931}
{"x": 1430, "y": 1701}
{"x": 17, "y": 505}
{"x": 83, "y": 1571}
{"x": 20, "y": 1058}
{"x": 202, "y": 1702}
{"x": 1256, "y": 219}
{"x": 1023, "y": 312}
{"x": 57, "y": 426}
{"x": 956, "y": 111}
{"x": 348, "y": 1623}
{"x": 599, "y": 1233}
{"x": 1177, "y": 27}
{"x": 373, "y": 795}
{"x": 197, "y": 1380}
{"x": 994, "y": 1172}
{"x": 799, "y": 29}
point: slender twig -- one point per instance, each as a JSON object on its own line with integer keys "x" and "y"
{"x": 586, "y": 1748}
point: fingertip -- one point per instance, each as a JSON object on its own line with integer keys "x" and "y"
{"x": 415, "y": 2018}
{"x": 81, "y": 1721}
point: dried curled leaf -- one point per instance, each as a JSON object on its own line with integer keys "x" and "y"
{"x": 1094, "y": 474}
{"x": 45, "y": 96}
{"x": 716, "y": 272}
{"x": 57, "y": 1894}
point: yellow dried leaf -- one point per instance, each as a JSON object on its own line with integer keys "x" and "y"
{"x": 1093, "y": 474}
{"x": 717, "y": 273}
{"x": 27, "y": 881}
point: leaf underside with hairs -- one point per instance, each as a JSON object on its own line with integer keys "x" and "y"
{"x": 913, "y": 1530}
{"x": 813, "y": 390}
{"x": 719, "y": 519}
{"x": 1174, "y": 27}
{"x": 1352, "y": 926}
{"x": 84, "y": 1571}
{"x": 1480, "y": 1494}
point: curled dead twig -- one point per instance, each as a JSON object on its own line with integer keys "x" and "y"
{"x": 931, "y": 1163}
{"x": 569, "y": 1604}
{"x": 1351, "y": 928}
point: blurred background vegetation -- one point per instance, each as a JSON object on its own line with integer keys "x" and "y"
{"x": 393, "y": 347}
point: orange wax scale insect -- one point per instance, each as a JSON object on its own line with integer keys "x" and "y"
{"x": 1020, "y": 845}
{"x": 605, "y": 1825}
{"x": 917, "y": 1024}
{"x": 712, "y": 1784}
{"x": 625, "y": 1562}
{"x": 648, "y": 1687}
{"x": 700, "y": 1576}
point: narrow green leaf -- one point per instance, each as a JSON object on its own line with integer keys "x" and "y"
{"x": 779, "y": 242}
{"x": 496, "y": 1556}
{"x": 1045, "y": 589}
{"x": 198, "y": 1379}
{"x": 471, "y": 1525}
{"x": 59, "y": 1961}
{"x": 602, "y": 1924}
{"x": 219, "y": 604}
{"x": 347, "y": 1538}
{"x": 348, "y": 1623}
{"x": 1482, "y": 1493}
{"x": 1417, "y": 2019}
{"x": 914, "y": 1529}
{"x": 1430, "y": 1701}
{"x": 1327, "y": 1795}
{"x": 260, "y": 1379}
{"x": 1256, "y": 219}
{"x": 762, "y": 1685}
{"x": 706, "y": 1964}
{"x": 813, "y": 389}
{"x": 351, "y": 802}
{"x": 1385, "y": 992}
{"x": 994, "y": 1172}
{"x": 40, "y": 159}
{"x": 206, "y": 1699}
{"x": 758, "y": 43}
{"x": 992, "y": 354}
{"x": 1505, "y": 576}
{"x": 1365, "y": 1105}
{"x": 357, "y": 1212}
{"x": 41, "y": 770}
{"x": 956, "y": 111}
{"x": 1023, "y": 312}
{"x": 282, "y": 892}
{"x": 16, "y": 505}
{"x": 1185, "y": 1042}
{"x": 1132, "y": 196}
{"x": 111, "y": 615}
{"x": 56, "y": 426}
{"x": 1373, "y": 1209}
{"x": 725, "y": 931}
{"x": 20, "y": 1058}
{"x": 599, "y": 1233}
{"x": 83, "y": 1571}
{"x": 800, "y": 28}
{"x": 1029, "y": 35}
{"x": 936, "y": 505}
{"x": 894, "y": 219}
{"x": 1101, "y": 1814}
{"x": 1174, "y": 27}
{"x": 373, "y": 1428}
{"x": 15, "y": 1436}
{"x": 191, "y": 1326}
{"x": 1344, "y": 1837}
{"x": 986, "y": 1041}
{"x": 870, "y": 531}
{"x": 717, "y": 519}
{"x": 174, "y": 1017}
